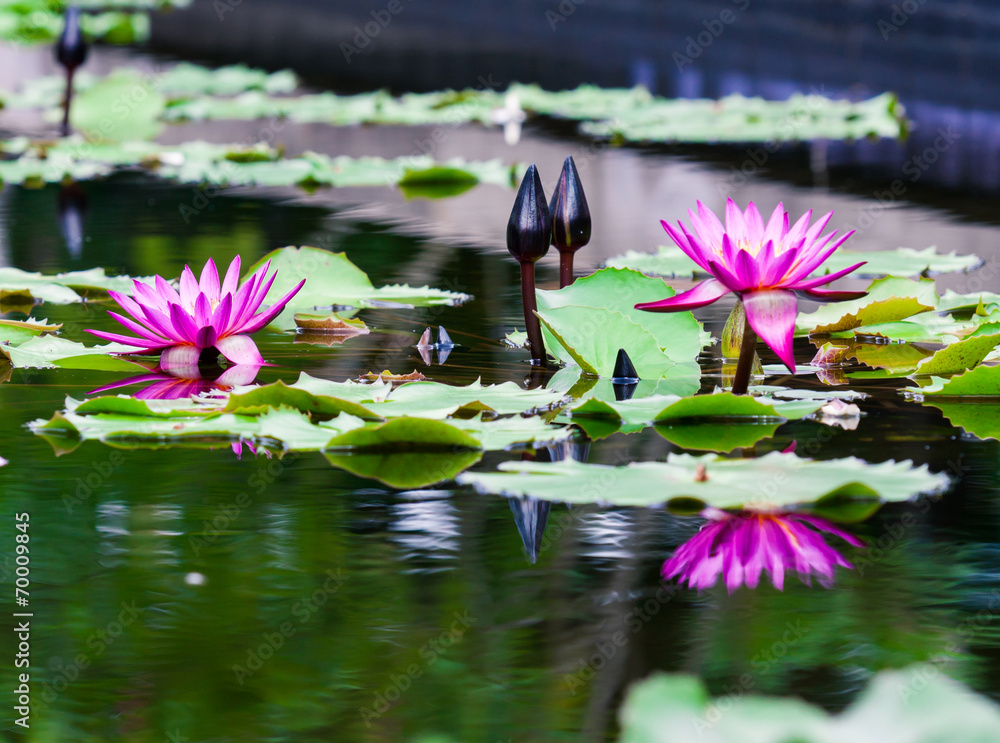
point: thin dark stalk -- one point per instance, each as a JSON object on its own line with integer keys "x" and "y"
{"x": 565, "y": 269}
{"x": 67, "y": 100}
{"x": 531, "y": 324}
{"x": 744, "y": 367}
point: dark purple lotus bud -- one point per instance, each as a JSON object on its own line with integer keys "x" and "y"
{"x": 624, "y": 372}
{"x": 569, "y": 210}
{"x": 529, "y": 229}
{"x": 71, "y": 49}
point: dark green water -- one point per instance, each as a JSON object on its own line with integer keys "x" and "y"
{"x": 182, "y": 594}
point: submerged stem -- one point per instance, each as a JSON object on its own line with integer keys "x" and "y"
{"x": 744, "y": 368}
{"x": 565, "y": 269}
{"x": 67, "y": 100}
{"x": 531, "y": 324}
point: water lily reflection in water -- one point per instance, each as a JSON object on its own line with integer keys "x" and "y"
{"x": 739, "y": 546}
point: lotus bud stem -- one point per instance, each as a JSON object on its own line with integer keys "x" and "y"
{"x": 529, "y": 232}
{"x": 71, "y": 52}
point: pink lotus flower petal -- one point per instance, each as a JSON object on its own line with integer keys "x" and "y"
{"x": 202, "y": 311}
{"x": 265, "y": 317}
{"x": 755, "y": 224}
{"x": 209, "y": 282}
{"x": 728, "y": 277}
{"x": 777, "y": 225}
{"x": 220, "y": 318}
{"x": 231, "y": 283}
{"x": 704, "y": 293}
{"x": 147, "y": 296}
{"x": 167, "y": 292}
{"x": 138, "y": 329}
{"x": 183, "y": 324}
{"x": 771, "y": 314}
{"x": 189, "y": 289}
{"x": 128, "y": 341}
{"x": 240, "y": 349}
{"x": 735, "y": 224}
{"x": 824, "y": 279}
{"x": 746, "y": 269}
{"x": 681, "y": 241}
{"x": 206, "y": 337}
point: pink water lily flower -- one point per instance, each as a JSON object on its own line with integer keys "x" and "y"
{"x": 203, "y": 314}
{"x": 765, "y": 264}
{"x": 741, "y": 545}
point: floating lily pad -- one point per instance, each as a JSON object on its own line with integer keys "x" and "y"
{"x": 123, "y": 106}
{"x": 332, "y": 280}
{"x": 984, "y": 381}
{"x": 232, "y": 165}
{"x": 618, "y": 290}
{"x": 981, "y": 419}
{"x": 49, "y": 351}
{"x": 332, "y": 323}
{"x": 15, "y": 332}
{"x": 888, "y": 300}
{"x": 776, "y": 479}
{"x": 959, "y": 356}
{"x": 917, "y": 704}
{"x": 62, "y": 288}
{"x": 927, "y": 327}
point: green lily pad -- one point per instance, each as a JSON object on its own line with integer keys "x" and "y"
{"x": 983, "y": 381}
{"x": 320, "y": 407}
{"x": 15, "y": 332}
{"x": 717, "y": 437}
{"x": 432, "y": 399}
{"x": 590, "y": 338}
{"x": 289, "y": 427}
{"x": 234, "y": 165}
{"x": 888, "y": 300}
{"x": 917, "y": 704}
{"x": 958, "y": 357}
{"x": 62, "y": 288}
{"x": 776, "y": 479}
{"x": 624, "y": 114}
{"x": 49, "y": 351}
{"x": 123, "y": 106}
{"x": 332, "y": 280}
{"x": 436, "y": 182}
{"x": 679, "y": 334}
{"x": 925, "y": 327}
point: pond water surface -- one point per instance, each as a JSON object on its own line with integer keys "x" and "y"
{"x": 185, "y": 594}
